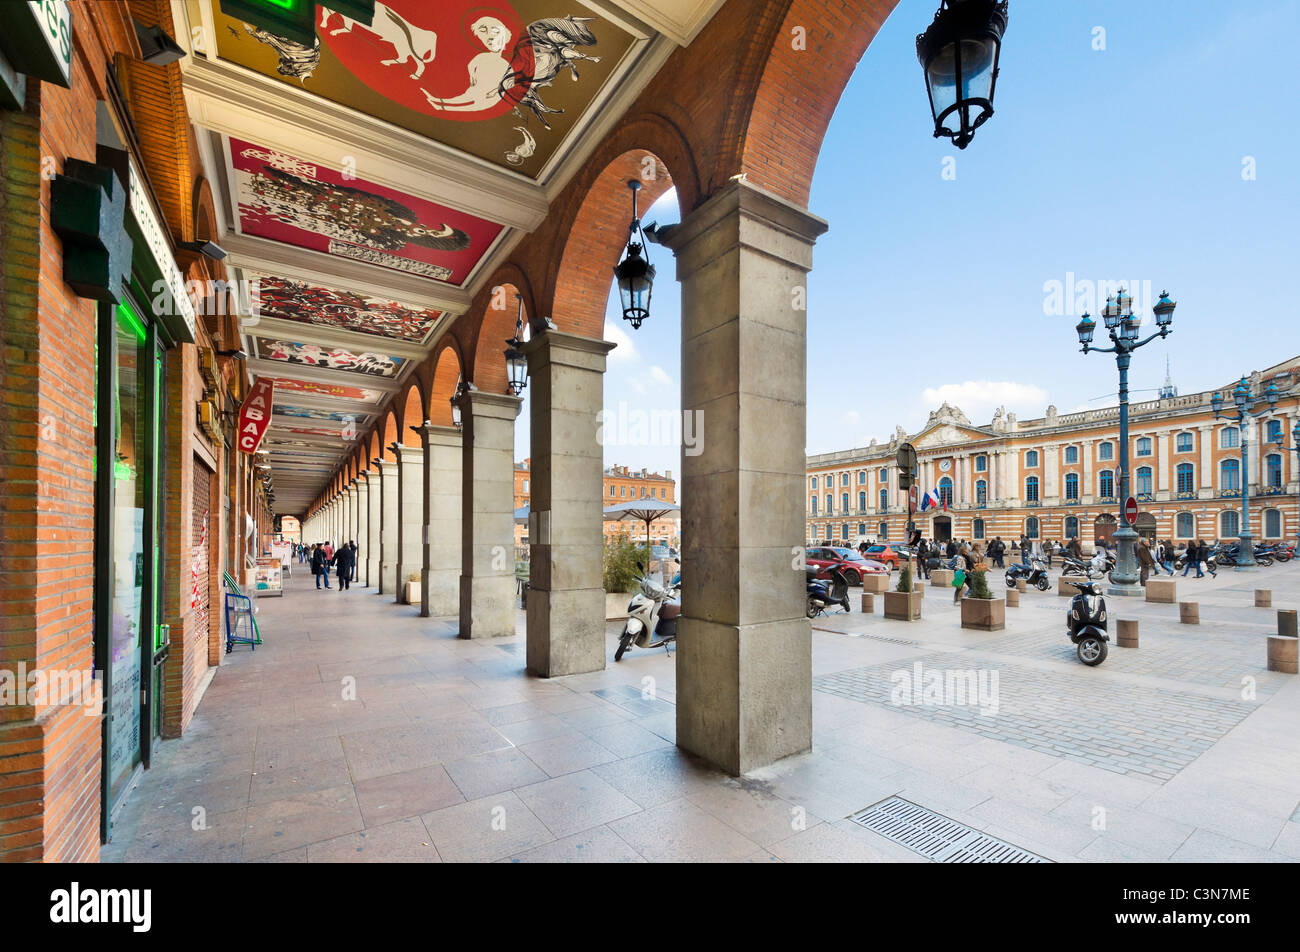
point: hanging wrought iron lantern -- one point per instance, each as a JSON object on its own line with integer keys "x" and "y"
{"x": 516, "y": 362}
{"x": 635, "y": 274}
{"x": 455, "y": 401}
{"x": 959, "y": 52}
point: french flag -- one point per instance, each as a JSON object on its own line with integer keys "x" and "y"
{"x": 930, "y": 500}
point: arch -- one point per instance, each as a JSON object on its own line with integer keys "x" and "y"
{"x": 1146, "y": 526}
{"x": 1104, "y": 528}
{"x": 584, "y": 266}
{"x": 469, "y": 331}
{"x": 495, "y": 328}
{"x": 945, "y": 491}
{"x": 389, "y": 434}
{"x": 412, "y": 415}
{"x": 375, "y": 446}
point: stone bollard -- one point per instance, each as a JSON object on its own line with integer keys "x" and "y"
{"x": 1013, "y": 598}
{"x": 1162, "y": 590}
{"x": 1128, "y": 633}
{"x": 1189, "y": 613}
{"x": 868, "y": 603}
{"x": 919, "y": 588}
{"x": 1286, "y": 622}
{"x": 1283, "y": 654}
{"x": 1263, "y": 598}
{"x": 1022, "y": 585}
{"x": 1065, "y": 588}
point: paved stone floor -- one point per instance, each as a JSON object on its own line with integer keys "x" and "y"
{"x": 362, "y": 733}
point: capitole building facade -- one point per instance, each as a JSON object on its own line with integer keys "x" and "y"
{"x": 1058, "y": 476}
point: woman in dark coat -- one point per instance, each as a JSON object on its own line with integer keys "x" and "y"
{"x": 320, "y": 566}
{"x": 344, "y": 559}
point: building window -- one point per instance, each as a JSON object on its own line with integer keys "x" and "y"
{"x": 1274, "y": 431}
{"x": 830, "y": 504}
{"x": 1144, "y": 446}
{"x": 1229, "y": 476}
{"x": 884, "y": 499}
{"x": 862, "y": 501}
{"x": 977, "y": 529}
{"x": 622, "y": 491}
{"x": 1273, "y": 471}
{"x": 1031, "y": 527}
{"x": 844, "y": 502}
{"x": 982, "y": 493}
{"x": 882, "y": 532}
{"x": 812, "y": 505}
{"x": 1106, "y": 450}
{"x": 1186, "y": 478}
{"x": 844, "y": 532}
{"x": 612, "y": 492}
{"x": 1184, "y": 525}
{"x": 1071, "y": 455}
{"x": 883, "y": 475}
{"x": 1229, "y": 524}
{"x": 1229, "y": 438}
{"x": 862, "y": 477}
{"x": 812, "y": 483}
{"x": 816, "y": 532}
{"x": 1144, "y": 480}
{"x": 1031, "y": 489}
{"x": 862, "y": 528}
{"x": 1071, "y": 485}
{"x": 1272, "y": 524}
{"x": 830, "y": 532}
{"x": 844, "y": 479}
{"x": 525, "y": 485}
{"x": 1184, "y": 443}
{"x": 945, "y": 491}
{"x": 1071, "y": 526}
{"x": 981, "y": 464}
{"x": 1031, "y": 459}
{"x": 1106, "y": 484}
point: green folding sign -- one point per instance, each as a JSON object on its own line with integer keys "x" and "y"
{"x": 295, "y": 19}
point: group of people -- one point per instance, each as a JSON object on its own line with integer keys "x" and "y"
{"x": 323, "y": 556}
{"x": 1165, "y": 554}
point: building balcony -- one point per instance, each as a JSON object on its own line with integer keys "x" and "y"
{"x": 1106, "y": 500}
{"x": 1069, "y": 502}
{"x": 1032, "y": 503}
{"x": 1229, "y": 493}
{"x": 1273, "y": 491}
{"x": 1186, "y": 494}
{"x": 1146, "y": 497}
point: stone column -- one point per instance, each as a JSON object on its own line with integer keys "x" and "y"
{"x": 1051, "y": 474}
{"x": 566, "y": 603}
{"x": 363, "y": 539}
{"x": 411, "y": 498}
{"x": 1163, "y": 488}
{"x": 487, "y": 546}
{"x": 388, "y": 526}
{"x": 1206, "y": 439}
{"x": 374, "y": 527}
{"x": 440, "y": 577}
{"x": 1088, "y": 491}
{"x": 349, "y": 516}
{"x": 744, "y": 660}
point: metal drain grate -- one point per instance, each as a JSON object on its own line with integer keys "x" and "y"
{"x": 937, "y": 837}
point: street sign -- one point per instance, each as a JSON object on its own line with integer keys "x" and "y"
{"x": 1130, "y": 510}
{"x": 911, "y": 500}
{"x": 906, "y": 459}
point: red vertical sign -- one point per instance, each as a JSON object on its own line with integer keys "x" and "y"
{"x": 255, "y": 415}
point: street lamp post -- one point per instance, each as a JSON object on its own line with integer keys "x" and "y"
{"x": 1295, "y": 440}
{"x": 1245, "y": 404}
{"x": 1123, "y": 326}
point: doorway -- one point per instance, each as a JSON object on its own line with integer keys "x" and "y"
{"x": 1104, "y": 529}
{"x": 1146, "y": 527}
{"x": 943, "y": 528}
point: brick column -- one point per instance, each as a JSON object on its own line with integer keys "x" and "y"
{"x": 566, "y": 603}
{"x": 744, "y": 661}
{"x": 388, "y": 522}
{"x": 487, "y": 580}
{"x": 411, "y": 498}
{"x": 440, "y": 591}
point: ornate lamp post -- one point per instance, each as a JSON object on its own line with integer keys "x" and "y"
{"x": 516, "y": 362}
{"x": 635, "y": 274}
{"x": 1244, "y": 408}
{"x": 1124, "y": 327}
{"x": 959, "y": 52}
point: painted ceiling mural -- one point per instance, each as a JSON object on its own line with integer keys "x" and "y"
{"x": 333, "y": 358}
{"x": 307, "y": 205}
{"x": 308, "y": 413}
{"x": 504, "y": 81}
{"x": 346, "y": 310}
{"x": 290, "y": 385}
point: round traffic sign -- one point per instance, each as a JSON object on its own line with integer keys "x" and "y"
{"x": 1130, "y": 510}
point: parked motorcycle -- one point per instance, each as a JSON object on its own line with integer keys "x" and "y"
{"x": 1034, "y": 574}
{"x": 823, "y": 593}
{"x": 1087, "y": 568}
{"x": 651, "y": 615}
{"x": 1085, "y": 624}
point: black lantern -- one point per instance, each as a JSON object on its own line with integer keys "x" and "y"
{"x": 1086, "y": 328}
{"x": 516, "y": 362}
{"x": 635, "y": 274}
{"x": 1164, "y": 311}
{"x": 455, "y": 402}
{"x": 959, "y": 52}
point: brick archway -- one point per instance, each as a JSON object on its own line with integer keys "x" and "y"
{"x": 446, "y": 371}
{"x": 496, "y": 327}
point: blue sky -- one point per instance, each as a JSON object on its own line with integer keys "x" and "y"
{"x": 1117, "y": 164}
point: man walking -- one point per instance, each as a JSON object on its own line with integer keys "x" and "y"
{"x": 1146, "y": 562}
{"x": 344, "y": 559}
{"x": 320, "y": 566}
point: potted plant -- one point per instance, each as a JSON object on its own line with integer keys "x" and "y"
{"x": 980, "y": 610}
{"x": 619, "y": 576}
{"x": 903, "y": 604}
{"x": 413, "y": 589}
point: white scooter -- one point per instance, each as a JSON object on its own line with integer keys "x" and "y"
{"x": 651, "y": 615}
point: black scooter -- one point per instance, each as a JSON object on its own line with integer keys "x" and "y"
{"x": 1034, "y": 575}
{"x": 1085, "y": 623}
{"x": 823, "y": 593}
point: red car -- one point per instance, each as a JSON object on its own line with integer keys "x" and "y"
{"x": 887, "y": 555}
{"x": 847, "y": 561}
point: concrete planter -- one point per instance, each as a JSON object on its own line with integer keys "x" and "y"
{"x": 411, "y": 593}
{"x": 903, "y": 606}
{"x": 941, "y": 578}
{"x": 983, "y": 614}
{"x": 616, "y": 605}
{"x": 875, "y": 584}
{"x": 1162, "y": 590}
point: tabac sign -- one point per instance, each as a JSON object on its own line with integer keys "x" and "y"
{"x": 255, "y": 415}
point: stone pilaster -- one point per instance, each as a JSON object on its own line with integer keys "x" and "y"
{"x": 363, "y": 530}
{"x": 410, "y": 519}
{"x": 389, "y": 519}
{"x": 374, "y": 527}
{"x": 441, "y": 561}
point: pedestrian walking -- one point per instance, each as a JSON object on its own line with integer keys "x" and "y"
{"x": 320, "y": 565}
{"x": 964, "y": 565}
{"x": 1194, "y": 559}
{"x": 1146, "y": 561}
{"x": 344, "y": 560}
{"x": 923, "y": 559}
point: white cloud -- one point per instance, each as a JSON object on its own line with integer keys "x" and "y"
{"x": 852, "y": 418}
{"x": 626, "y": 351}
{"x": 979, "y": 398}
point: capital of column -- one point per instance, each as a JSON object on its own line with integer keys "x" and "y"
{"x": 479, "y": 403}
{"x": 570, "y": 350}
{"x": 431, "y": 435}
{"x": 408, "y": 454}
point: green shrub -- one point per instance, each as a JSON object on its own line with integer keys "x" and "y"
{"x": 905, "y": 578}
{"x": 979, "y": 586}
{"x": 619, "y": 573}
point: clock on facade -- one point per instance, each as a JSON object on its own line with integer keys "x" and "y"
{"x": 945, "y": 465}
